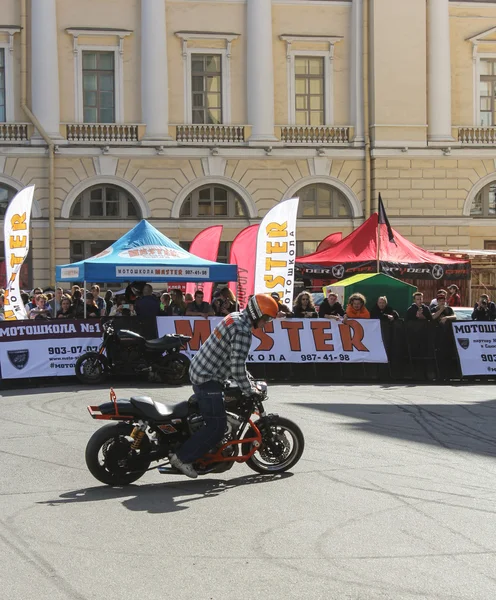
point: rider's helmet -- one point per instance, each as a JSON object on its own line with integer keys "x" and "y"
{"x": 261, "y": 305}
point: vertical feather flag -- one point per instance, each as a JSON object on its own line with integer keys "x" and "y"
{"x": 243, "y": 250}
{"x": 205, "y": 245}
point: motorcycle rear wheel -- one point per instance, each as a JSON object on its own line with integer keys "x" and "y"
{"x": 282, "y": 446}
{"x": 91, "y": 368}
{"x": 174, "y": 369}
{"x": 108, "y": 454}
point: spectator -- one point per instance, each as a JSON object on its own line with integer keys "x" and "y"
{"x": 2, "y": 311}
{"x": 32, "y": 298}
{"x": 177, "y": 307}
{"x": 49, "y": 296}
{"x": 41, "y": 310}
{"x": 25, "y": 299}
{"x": 284, "y": 311}
{"x": 442, "y": 312}
{"x": 108, "y": 301}
{"x": 148, "y": 305}
{"x": 331, "y": 308}
{"x": 454, "y": 298}
{"x": 165, "y": 301}
{"x": 418, "y": 311}
{"x": 92, "y": 309}
{"x": 122, "y": 308}
{"x": 484, "y": 310}
{"x": 304, "y": 307}
{"x": 188, "y": 298}
{"x": 356, "y": 308}
{"x": 383, "y": 311}
{"x": 75, "y": 288}
{"x": 227, "y": 302}
{"x": 434, "y": 300}
{"x": 65, "y": 311}
{"x": 55, "y": 302}
{"x": 199, "y": 308}
{"x": 77, "y": 303}
{"x": 99, "y": 301}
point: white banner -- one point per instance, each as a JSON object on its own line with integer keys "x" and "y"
{"x": 39, "y": 348}
{"x": 16, "y": 240}
{"x": 476, "y": 346}
{"x": 276, "y": 251}
{"x": 294, "y": 340}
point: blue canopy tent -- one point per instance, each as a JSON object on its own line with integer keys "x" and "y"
{"x": 145, "y": 254}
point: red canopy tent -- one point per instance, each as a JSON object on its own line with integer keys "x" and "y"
{"x": 357, "y": 253}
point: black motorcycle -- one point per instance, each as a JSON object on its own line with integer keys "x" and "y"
{"x": 147, "y": 431}
{"x": 123, "y": 352}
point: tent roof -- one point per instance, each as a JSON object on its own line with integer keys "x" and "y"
{"x": 145, "y": 254}
{"x": 361, "y": 246}
{"x": 364, "y": 277}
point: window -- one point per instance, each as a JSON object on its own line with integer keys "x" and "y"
{"x": 3, "y": 108}
{"x": 6, "y": 195}
{"x": 86, "y": 249}
{"x": 489, "y": 244}
{"x": 487, "y": 88}
{"x": 206, "y": 88}
{"x": 309, "y": 90}
{"x": 213, "y": 202}
{"x": 105, "y": 202}
{"x": 484, "y": 204}
{"x": 98, "y": 87}
{"x": 222, "y": 254}
{"x": 303, "y": 248}
{"x": 322, "y": 201}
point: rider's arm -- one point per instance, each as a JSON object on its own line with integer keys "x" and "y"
{"x": 240, "y": 346}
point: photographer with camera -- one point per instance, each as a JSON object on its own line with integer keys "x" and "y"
{"x": 484, "y": 310}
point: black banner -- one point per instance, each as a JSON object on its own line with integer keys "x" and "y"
{"x": 435, "y": 271}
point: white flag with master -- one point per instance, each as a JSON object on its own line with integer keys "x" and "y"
{"x": 276, "y": 251}
{"x": 16, "y": 240}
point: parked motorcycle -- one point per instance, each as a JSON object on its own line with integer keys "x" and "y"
{"x": 146, "y": 431}
{"x": 124, "y": 352}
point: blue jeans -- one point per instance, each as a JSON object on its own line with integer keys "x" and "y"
{"x": 211, "y": 403}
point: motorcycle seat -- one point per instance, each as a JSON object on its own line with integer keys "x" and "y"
{"x": 170, "y": 340}
{"x": 159, "y": 411}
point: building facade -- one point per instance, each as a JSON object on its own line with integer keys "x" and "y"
{"x": 194, "y": 112}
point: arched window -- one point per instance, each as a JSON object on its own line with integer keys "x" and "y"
{"x": 105, "y": 201}
{"x": 484, "y": 204}
{"x": 6, "y": 195}
{"x": 213, "y": 201}
{"x": 322, "y": 201}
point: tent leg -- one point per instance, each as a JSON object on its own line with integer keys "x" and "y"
{"x": 470, "y": 290}
{"x": 84, "y": 299}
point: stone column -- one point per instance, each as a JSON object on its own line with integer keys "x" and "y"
{"x": 45, "y": 98}
{"x": 154, "y": 80}
{"x": 357, "y": 69}
{"x": 260, "y": 67}
{"x": 438, "y": 72}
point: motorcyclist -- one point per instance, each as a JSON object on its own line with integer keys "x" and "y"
{"x": 222, "y": 356}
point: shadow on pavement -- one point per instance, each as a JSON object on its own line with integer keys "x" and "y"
{"x": 467, "y": 427}
{"x": 162, "y": 497}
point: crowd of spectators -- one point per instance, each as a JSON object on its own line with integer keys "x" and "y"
{"x": 141, "y": 300}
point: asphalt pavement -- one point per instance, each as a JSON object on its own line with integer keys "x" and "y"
{"x": 393, "y": 499}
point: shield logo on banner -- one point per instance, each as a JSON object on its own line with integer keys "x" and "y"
{"x": 18, "y": 358}
{"x": 338, "y": 271}
{"x": 464, "y": 342}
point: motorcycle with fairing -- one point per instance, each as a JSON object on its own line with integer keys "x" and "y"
{"x": 143, "y": 432}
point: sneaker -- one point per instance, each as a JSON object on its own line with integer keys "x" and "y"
{"x": 185, "y": 468}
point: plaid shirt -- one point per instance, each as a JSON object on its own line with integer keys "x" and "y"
{"x": 223, "y": 355}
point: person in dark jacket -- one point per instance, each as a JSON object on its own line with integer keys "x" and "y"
{"x": 331, "y": 308}
{"x": 418, "y": 311}
{"x": 484, "y": 310}
{"x": 383, "y": 311}
{"x": 304, "y": 308}
{"x": 148, "y": 305}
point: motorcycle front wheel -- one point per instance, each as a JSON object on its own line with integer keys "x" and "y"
{"x": 91, "y": 368}
{"x": 174, "y": 368}
{"x": 282, "y": 446}
{"x": 110, "y": 458}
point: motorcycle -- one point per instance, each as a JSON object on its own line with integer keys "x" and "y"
{"x": 124, "y": 352}
{"x": 146, "y": 431}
